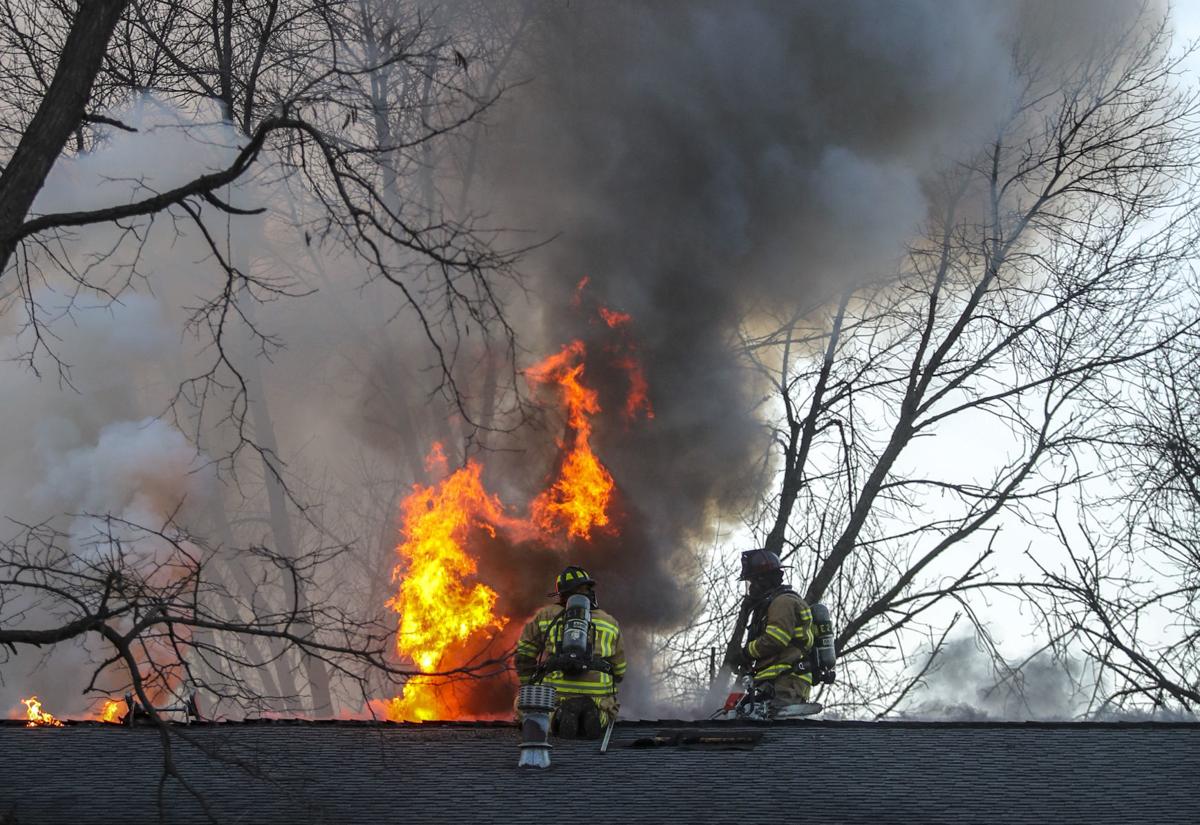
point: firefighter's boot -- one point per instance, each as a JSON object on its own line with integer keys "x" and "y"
{"x": 578, "y": 718}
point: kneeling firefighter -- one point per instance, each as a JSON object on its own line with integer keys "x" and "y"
{"x": 574, "y": 647}
{"x": 781, "y": 632}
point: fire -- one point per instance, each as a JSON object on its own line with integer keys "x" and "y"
{"x": 38, "y": 718}
{"x": 577, "y": 298}
{"x": 638, "y": 400}
{"x": 614, "y": 319}
{"x": 420, "y": 702}
{"x": 578, "y": 499}
{"x": 111, "y": 712}
{"x": 445, "y": 615}
{"x": 438, "y": 609}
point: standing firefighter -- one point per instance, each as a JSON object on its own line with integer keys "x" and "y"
{"x": 574, "y": 647}
{"x": 781, "y": 632}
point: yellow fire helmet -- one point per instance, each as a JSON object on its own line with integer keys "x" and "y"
{"x": 570, "y": 579}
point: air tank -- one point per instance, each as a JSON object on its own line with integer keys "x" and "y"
{"x": 823, "y": 645}
{"x": 577, "y": 621}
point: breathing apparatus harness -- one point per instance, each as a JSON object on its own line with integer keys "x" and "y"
{"x": 576, "y": 641}
{"x": 822, "y": 656}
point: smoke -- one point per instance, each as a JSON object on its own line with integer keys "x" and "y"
{"x": 964, "y": 685}
{"x": 709, "y": 165}
{"x": 702, "y": 163}
{"x": 100, "y": 426}
{"x": 76, "y": 453}
{"x": 85, "y": 436}
{"x": 87, "y": 447}
{"x": 136, "y": 470}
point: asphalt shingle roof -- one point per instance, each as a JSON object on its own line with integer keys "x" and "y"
{"x": 802, "y": 771}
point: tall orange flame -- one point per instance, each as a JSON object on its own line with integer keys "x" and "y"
{"x": 443, "y": 615}
{"x": 36, "y": 717}
{"x": 438, "y": 609}
{"x": 578, "y": 499}
{"x": 111, "y": 712}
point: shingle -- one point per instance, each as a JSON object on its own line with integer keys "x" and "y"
{"x": 804, "y": 771}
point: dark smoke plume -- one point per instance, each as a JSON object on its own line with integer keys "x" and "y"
{"x": 700, "y": 162}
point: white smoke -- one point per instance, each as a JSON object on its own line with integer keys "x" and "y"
{"x": 965, "y": 684}
{"x": 90, "y": 428}
{"x": 697, "y": 159}
{"x": 84, "y": 438}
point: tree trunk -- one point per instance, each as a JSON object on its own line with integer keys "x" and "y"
{"x": 793, "y": 480}
{"x": 281, "y": 528}
{"x": 279, "y": 518}
{"x": 283, "y": 691}
{"x": 57, "y": 117}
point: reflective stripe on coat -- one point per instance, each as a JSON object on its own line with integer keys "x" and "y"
{"x": 543, "y": 634}
{"x": 784, "y": 637}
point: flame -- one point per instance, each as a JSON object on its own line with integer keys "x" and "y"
{"x": 36, "y": 717}
{"x": 614, "y": 319}
{"x": 638, "y": 400}
{"x": 112, "y": 712}
{"x": 578, "y": 500}
{"x": 420, "y": 702}
{"x": 436, "y": 463}
{"x": 446, "y": 616}
{"x": 577, "y": 298}
{"x": 438, "y": 609}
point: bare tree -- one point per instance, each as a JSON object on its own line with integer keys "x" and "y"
{"x": 151, "y": 596}
{"x": 1127, "y": 597}
{"x": 332, "y": 112}
{"x": 1043, "y": 284}
{"x": 280, "y": 77}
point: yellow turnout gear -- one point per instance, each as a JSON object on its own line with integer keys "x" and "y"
{"x": 782, "y": 635}
{"x": 542, "y": 636}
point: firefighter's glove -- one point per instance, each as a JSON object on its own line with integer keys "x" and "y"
{"x": 742, "y": 663}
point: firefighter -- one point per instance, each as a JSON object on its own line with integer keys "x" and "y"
{"x": 781, "y": 632}
{"x": 587, "y": 692}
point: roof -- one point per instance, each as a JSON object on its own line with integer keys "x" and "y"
{"x": 805, "y": 770}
